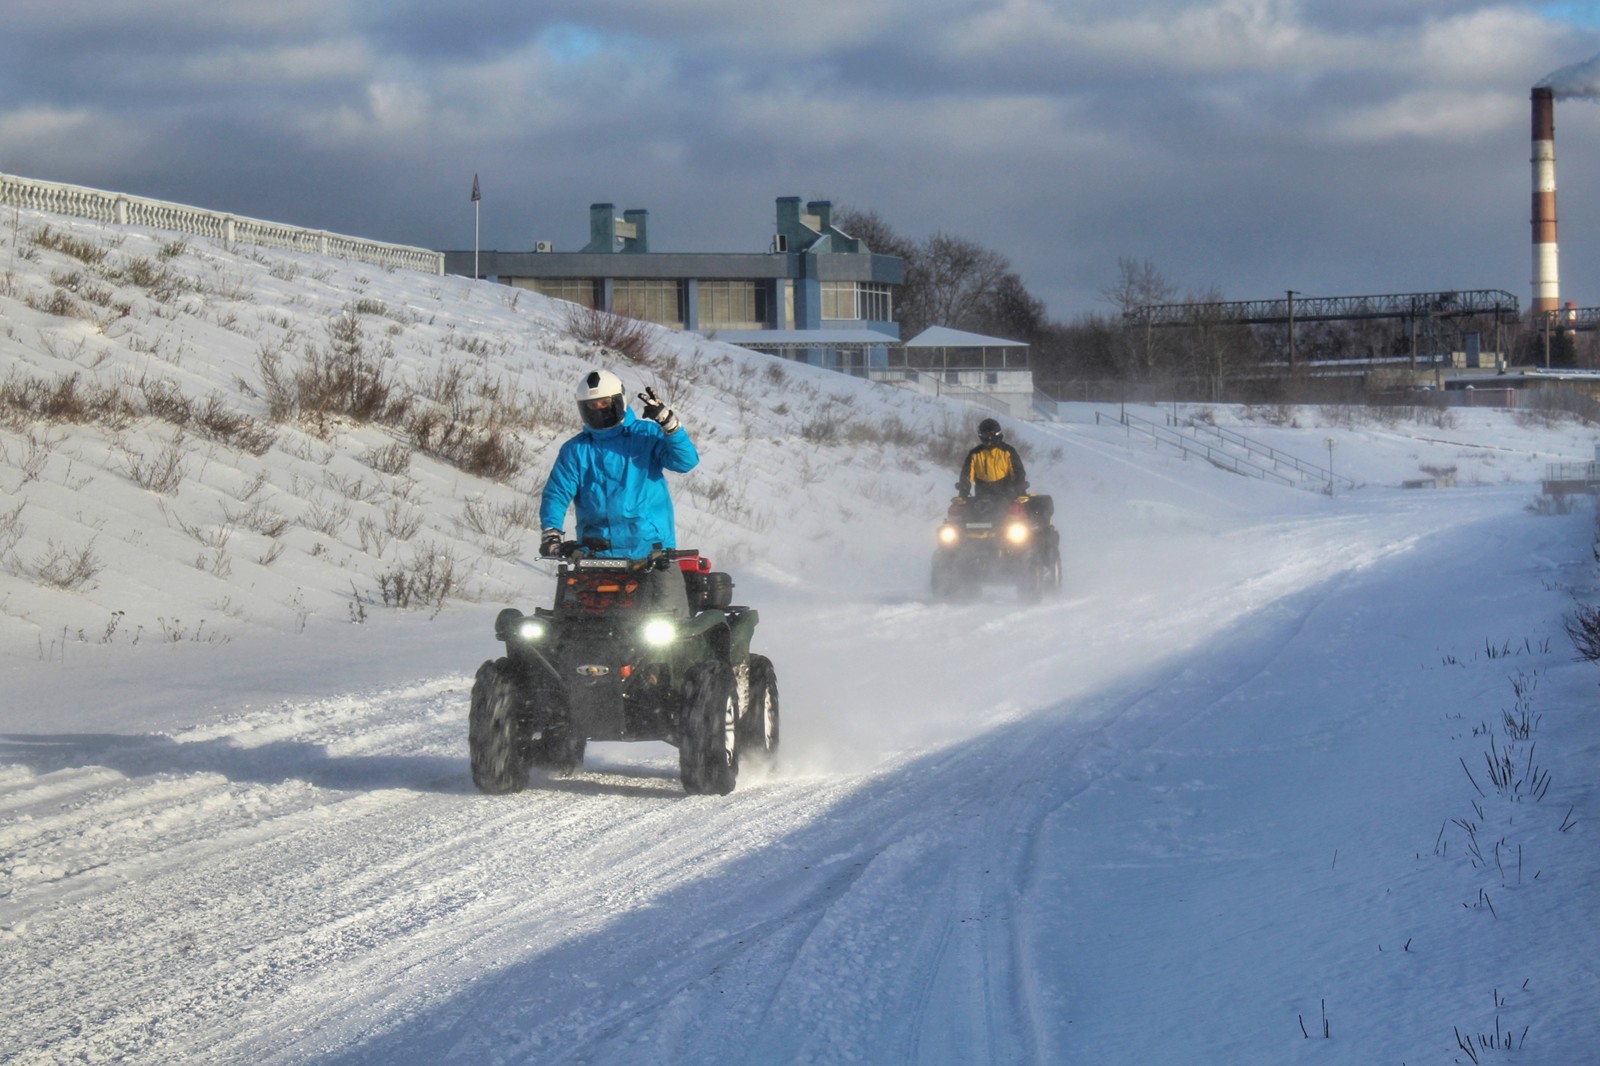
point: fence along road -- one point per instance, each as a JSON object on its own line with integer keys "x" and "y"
{"x": 126, "y": 210}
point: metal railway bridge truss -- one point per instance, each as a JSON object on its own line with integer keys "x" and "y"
{"x": 1571, "y": 319}
{"x": 1294, "y": 308}
{"x": 1419, "y": 311}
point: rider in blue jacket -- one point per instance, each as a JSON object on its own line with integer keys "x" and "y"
{"x": 614, "y": 471}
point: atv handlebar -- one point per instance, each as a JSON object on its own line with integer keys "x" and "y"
{"x": 573, "y": 552}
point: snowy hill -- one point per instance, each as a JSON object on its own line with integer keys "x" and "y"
{"x": 1231, "y": 797}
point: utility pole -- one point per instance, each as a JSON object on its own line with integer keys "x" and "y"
{"x": 1292, "y": 295}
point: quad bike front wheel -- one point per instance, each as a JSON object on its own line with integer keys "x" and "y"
{"x": 559, "y": 750}
{"x": 950, "y": 578}
{"x": 758, "y": 717}
{"x": 498, "y": 765}
{"x": 708, "y": 752}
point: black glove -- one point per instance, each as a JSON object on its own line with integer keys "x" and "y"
{"x": 657, "y": 411}
{"x": 550, "y": 543}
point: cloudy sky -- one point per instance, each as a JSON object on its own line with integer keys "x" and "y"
{"x": 1335, "y": 147}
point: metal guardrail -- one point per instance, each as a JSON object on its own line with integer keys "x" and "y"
{"x": 1191, "y": 446}
{"x": 81, "y": 202}
{"x": 1572, "y": 477}
{"x": 1277, "y": 458}
{"x": 1572, "y": 471}
{"x": 1047, "y": 407}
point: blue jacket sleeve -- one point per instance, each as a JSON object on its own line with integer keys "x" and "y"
{"x": 559, "y": 489}
{"x": 678, "y": 452}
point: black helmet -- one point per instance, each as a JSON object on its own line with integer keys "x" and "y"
{"x": 988, "y": 431}
{"x": 600, "y": 399}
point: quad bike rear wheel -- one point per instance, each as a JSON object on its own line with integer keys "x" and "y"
{"x": 708, "y": 752}
{"x": 498, "y": 762}
{"x": 1042, "y": 576}
{"x": 758, "y": 717}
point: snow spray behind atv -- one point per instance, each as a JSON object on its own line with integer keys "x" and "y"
{"x": 633, "y": 649}
{"x": 997, "y": 540}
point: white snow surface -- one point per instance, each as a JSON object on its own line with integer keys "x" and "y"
{"x": 1227, "y": 799}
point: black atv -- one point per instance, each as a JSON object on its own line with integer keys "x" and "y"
{"x": 634, "y": 649}
{"x": 997, "y": 540}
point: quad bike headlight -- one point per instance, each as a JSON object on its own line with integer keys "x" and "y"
{"x": 949, "y": 534}
{"x": 531, "y": 629}
{"x": 1017, "y": 533}
{"x": 659, "y": 632}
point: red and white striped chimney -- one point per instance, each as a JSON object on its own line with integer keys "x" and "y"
{"x": 1546, "y": 275}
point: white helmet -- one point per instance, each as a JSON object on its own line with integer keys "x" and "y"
{"x": 600, "y": 400}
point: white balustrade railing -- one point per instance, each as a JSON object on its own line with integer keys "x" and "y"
{"x": 81, "y": 202}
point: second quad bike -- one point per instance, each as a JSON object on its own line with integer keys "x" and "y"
{"x": 997, "y": 540}
{"x": 632, "y": 649}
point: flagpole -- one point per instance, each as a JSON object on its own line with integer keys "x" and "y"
{"x": 477, "y": 203}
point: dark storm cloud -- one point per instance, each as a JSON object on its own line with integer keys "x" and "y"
{"x": 426, "y": 30}
{"x": 1244, "y": 145}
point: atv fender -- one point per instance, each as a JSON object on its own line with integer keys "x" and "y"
{"x": 729, "y": 631}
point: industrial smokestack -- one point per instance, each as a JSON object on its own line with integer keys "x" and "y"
{"x": 1581, "y": 81}
{"x": 1546, "y": 275}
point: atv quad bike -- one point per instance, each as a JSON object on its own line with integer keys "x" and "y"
{"x": 997, "y": 540}
{"x": 633, "y": 649}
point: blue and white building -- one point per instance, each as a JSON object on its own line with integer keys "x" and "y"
{"x": 816, "y": 294}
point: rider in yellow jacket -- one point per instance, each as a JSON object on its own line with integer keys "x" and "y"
{"x": 992, "y": 469}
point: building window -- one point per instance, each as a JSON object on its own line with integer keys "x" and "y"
{"x": 581, "y": 291}
{"x": 650, "y": 300}
{"x": 861, "y": 301}
{"x": 733, "y": 304}
{"x": 838, "y": 299}
{"x": 873, "y": 303}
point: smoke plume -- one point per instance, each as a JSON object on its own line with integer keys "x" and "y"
{"x": 1579, "y": 81}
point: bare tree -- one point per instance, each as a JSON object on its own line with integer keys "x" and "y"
{"x": 870, "y": 228}
{"x": 1147, "y": 353}
{"x": 1139, "y": 283}
{"x": 1082, "y": 359}
{"x": 950, "y": 281}
{"x": 1014, "y": 313}
{"x": 961, "y": 279}
{"x": 1213, "y": 347}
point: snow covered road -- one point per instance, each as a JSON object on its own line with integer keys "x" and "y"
{"x": 998, "y": 835}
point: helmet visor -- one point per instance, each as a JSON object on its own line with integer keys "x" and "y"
{"x": 602, "y": 412}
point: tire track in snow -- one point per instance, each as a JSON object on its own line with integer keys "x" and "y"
{"x": 840, "y": 925}
{"x": 350, "y": 895}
